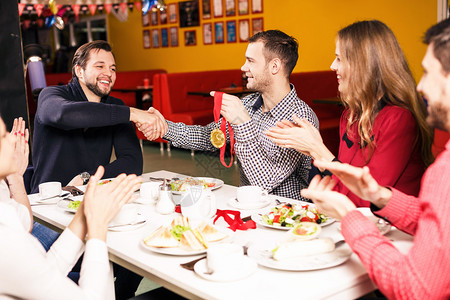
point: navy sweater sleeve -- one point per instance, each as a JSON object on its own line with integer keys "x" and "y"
{"x": 59, "y": 108}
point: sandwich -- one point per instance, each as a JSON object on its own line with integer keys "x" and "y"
{"x": 303, "y": 248}
{"x": 192, "y": 240}
{"x": 210, "y": 233}
{"x": 161, "y": 238}
{"x": 181, "y": 221}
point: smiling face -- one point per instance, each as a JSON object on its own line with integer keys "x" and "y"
{"x": 7, "y": 164}
{"x": 341, "y": 68}
{"x": 99, "y": 76}
{"x": 256, "y": 68}
{"x": 435, "y": 86}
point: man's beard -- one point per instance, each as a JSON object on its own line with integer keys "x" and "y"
{"x": 437, "y": 117}
{"x": 93, "y": 87}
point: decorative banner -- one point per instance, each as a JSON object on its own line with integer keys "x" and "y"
{"x": 130, "y": 6}
{"x": 92, "y": 8}
{"x": 108, "y": 7}
{"x": 138, "y": 5}
{"x": 21, "y": 7}
{"x": 39, "y": 8}
{"x": 123, "y": 6}
{"x": 76, "y": 9}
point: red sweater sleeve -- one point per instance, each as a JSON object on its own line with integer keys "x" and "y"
{"x": 422, "y": 273}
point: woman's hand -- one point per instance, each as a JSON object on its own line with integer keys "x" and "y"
{"x": 333, "y": 204}
{"x": 103, "y": 202}
{"x": 22, "y": 150}
{"x": 301, "y": 136}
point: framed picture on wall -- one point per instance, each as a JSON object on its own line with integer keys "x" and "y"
{"x": 155, "y": 38}
{"x": 231, "y": 31}
{"x": 172, "y": 8}
{"x": 218, "y": 8}
{"x": 243, "y": 7}
{"x": 244, "y": 30}
{"x": 146, "y": 38}
{"x": 163, "y": 17}
{"x": 206, "y": 9}
{"x": 257, "y": 6}
{"x": 230, "y": 7}
{"x": 218, "y": 32}
{"x": 154, "y": 17}
{"x": 257, "y": 25}
{"x": 189, "y": 14}
{"x": 207, "y": 33}
{"x": 145, "y": 20}
{"x": 174, "y": 36}
{"x": 190, "y": 38}
{"x": 164, "y": 37}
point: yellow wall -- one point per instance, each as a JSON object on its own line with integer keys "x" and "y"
{"x": 313, "y": 23}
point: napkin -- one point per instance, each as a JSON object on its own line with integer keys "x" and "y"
{"x": 235, "y": 223}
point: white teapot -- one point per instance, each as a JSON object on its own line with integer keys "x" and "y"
{"x": 198, "y": 203}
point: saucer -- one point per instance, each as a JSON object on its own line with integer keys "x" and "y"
{"x": 247, "y": 268}
{"x": 255, "y": 205}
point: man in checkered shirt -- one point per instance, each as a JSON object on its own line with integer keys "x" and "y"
{"x": 270, "y": 58}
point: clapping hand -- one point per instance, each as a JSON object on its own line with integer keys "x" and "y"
{"x": 21, "y": 150}
{"x": 333, "y": 204}
{"x": 233, "y": 109}
{"x": 102, "y": 202}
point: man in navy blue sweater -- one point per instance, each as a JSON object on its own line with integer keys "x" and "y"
{"x": 76, "y": 128}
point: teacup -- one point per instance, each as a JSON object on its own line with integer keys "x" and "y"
{"x": 197, "y": 203}
{"x": 224, "y": 257}
{"x": 149, "y": 192}
{"x": 126, "y": 215}
{"x": 250, "y": 194}
{"x": 49, "y": 189}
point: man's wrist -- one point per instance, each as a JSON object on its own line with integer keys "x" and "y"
{"x": 85, "y": 177}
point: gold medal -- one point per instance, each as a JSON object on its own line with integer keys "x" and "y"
{"x": 217, "y": 138}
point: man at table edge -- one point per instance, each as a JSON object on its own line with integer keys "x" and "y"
{"x": 422, "y": 273}
{"x": 270, "y": 58}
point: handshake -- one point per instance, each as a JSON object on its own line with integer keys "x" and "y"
{"x": 151, "y": 122}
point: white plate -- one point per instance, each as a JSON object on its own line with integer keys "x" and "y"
{"x": 218, "y": 183}
{"x": 253, "y": 205}
{"x": 64, "y": 203}
{"x": 263, "y": 256}
{"x": 177, "y": 251}
{"x": 258, "y": 220}
{"x": 247, "y": 268}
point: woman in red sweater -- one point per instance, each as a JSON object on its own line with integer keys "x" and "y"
{"x": 383, "y": 126}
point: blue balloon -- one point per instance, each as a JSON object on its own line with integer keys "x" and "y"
{"x": 145, "y": 7}
{"x": 49, "y": 21}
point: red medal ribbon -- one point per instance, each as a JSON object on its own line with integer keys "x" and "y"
{"x": 236, "y": 222}
{"x": 223, "y": 126}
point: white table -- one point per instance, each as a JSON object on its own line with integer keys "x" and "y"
{"x": 347, "y": 281}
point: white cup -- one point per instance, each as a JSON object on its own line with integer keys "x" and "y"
{"x": 126, "y": 215}
{"x": 49, "y": 189}
{"x": 149, "y": 192}
{"x": 250, "y": 194}
{"x": 224, "y": 257}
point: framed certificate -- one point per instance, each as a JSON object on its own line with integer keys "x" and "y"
{"x": 172, "y": 9}
{"x": 218, "y": 8}
{"x": 174, "y": 36}
{"x": 231, "y": 31}
{"x": 257, "y": 6}
{"x": 206, "y": 9}
{"x": 146, "y": 38}
{"x": 244, "y": 30}
{"x": 218, "y": 32}
{"x": 155, "y": 38}
{"x": 145, "y": 20}
{"x": 243, "y": 7}
{"x": 207, "y": 33}
{"x": 257, "y": 25}
{"x": 230, "y": 7}
{"x": 164, "y": 37}
{"x": 190, "y": 38}
{"x": 154, "y": 17}
{"x": 163, "y": 17}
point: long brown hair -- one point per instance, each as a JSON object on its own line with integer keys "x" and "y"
{"x": 378, "y": 69}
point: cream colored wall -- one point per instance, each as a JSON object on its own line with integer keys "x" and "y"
{"x": 313, "y": 23}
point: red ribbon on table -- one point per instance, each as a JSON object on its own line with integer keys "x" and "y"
{"x": 236, "y": 222}
{"x": 223, "y": 127}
